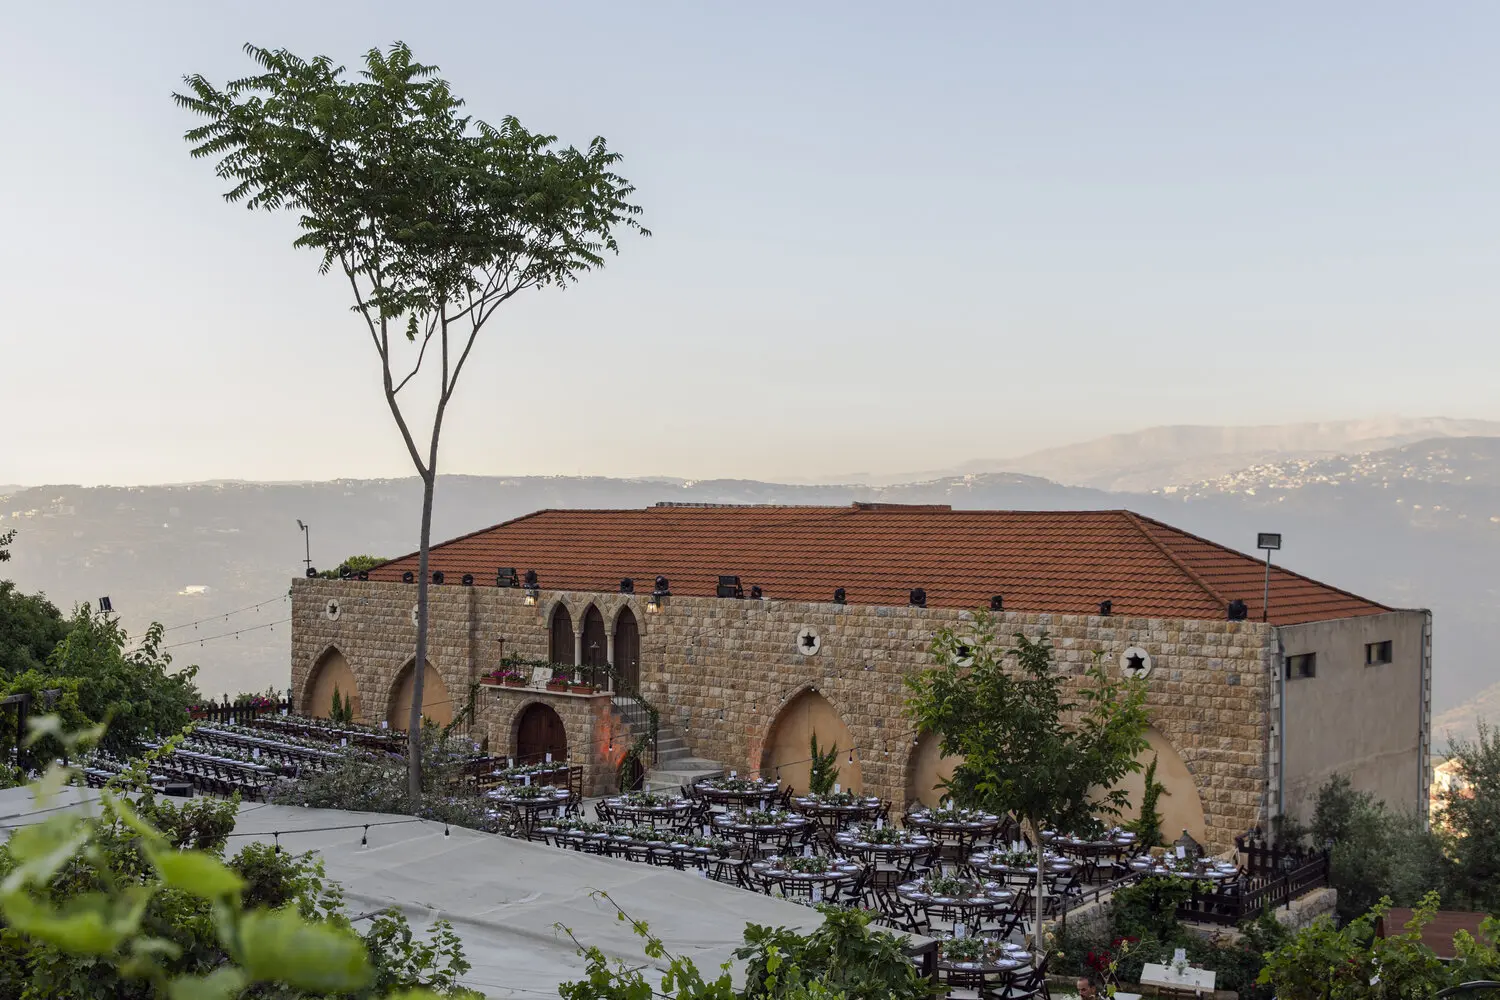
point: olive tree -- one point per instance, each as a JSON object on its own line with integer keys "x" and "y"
{"x": 1027, "y": 747}
{"x": 435, "y": 218}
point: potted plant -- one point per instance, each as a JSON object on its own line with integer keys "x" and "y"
{"x": 559, "y": 681}
{"x": 512, "y": 678}
{"x": 580, "y": 687}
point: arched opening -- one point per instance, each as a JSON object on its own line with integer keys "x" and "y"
{"x": 927, "y": 770}
{"x": 539, "y": 732}
{"x": 331, "y": 673}
{"x": 436, "y": 705}
{"x": 560, "y": 638}
{"x": 595, "y": 644}
{"x": 789, "y": 744}
{"x": 1180, "y": 805}
{"x": 628, "y": 650}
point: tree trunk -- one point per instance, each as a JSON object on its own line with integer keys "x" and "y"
{"x": 1036, "y": 832}
{"x": 419, "y": 668}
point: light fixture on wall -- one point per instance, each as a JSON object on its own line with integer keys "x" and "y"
{"x": 840, "y": 596}
{"x": 533, "y": 588}
{"x": 918, "y": 598}
{"x": 653, "y": 604}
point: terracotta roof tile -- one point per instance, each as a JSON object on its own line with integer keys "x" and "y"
{"x": 1044, "y": 561}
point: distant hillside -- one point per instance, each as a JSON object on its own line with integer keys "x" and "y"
{"x": 1419, "y": 523}
{"x": 1462, "y": 722}
{"x": 1411, "y": 526}
{"x": 1164, "y": 456}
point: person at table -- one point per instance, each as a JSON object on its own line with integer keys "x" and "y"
{"x": 1086, "y": 989}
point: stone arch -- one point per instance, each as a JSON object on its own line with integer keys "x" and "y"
{"x": 617, "y": 607}
{"x": 786, "y": 746}
{"x": 560, "y": 647}
{"x": 926, "y": 768}
{"x": 330, "y": 670}
{"x": 1181, "y": 805}
{"x": 537, "y": 719}
{"x": 437, "y": 704}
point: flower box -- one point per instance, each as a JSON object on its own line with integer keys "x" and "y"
{"x": 581, "y": 688}
{"x": 513, "y": 682}
{"x": 557, "y": 685}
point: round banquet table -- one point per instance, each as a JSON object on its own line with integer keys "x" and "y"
{"x": 990, "y": 975}
{"x": 529, "y": 809}
{"x": 1215, "y": 871}
{"x": 747, "y": 794}
{"x": 992, "y": 864}
{"x": 991, "y": 900}
{"x": 671, "y": 813}
{"x": 904, "y": 854}
{"x": 813, "y": 886}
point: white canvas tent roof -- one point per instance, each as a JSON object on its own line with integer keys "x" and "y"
{"x": 503, "y": 896}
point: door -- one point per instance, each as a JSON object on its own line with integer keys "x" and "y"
{"x": 595, "y": 644}
{"x": 539, "y": 733}
{"x": 628, "y": 651}
{"x": 560, "y": 641}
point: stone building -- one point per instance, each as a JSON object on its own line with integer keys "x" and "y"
{"x": 827, "y": 609}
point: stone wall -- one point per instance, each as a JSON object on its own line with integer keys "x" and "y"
{"x": 597, "y": 739}
{"x": 720, "y": 670}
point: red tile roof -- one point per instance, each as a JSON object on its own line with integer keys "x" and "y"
{"x": 1044, "y": 561}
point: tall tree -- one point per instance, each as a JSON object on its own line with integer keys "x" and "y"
{"x": 1027, "y": 748}
{"x": 434, "y": 217}
{"x": 1471, "y": 811}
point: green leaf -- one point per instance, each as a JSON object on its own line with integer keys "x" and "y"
{"x": 84, "y": 928}
{"x": 280, "y": 946}
{"x": 219, "y": 984}
{"x": 53, "y": 780}
{"x": 201, "y": 874}
{"x": 43, "y": 848}
{"x": 39, "y": 727}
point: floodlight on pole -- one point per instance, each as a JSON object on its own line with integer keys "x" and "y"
{"x": 1267, "y": 541}
{"x": 306, "y": 544}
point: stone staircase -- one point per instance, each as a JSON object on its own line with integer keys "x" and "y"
{"x": 675, "y": 763}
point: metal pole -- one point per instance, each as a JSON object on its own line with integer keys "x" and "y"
{"x": 307, "y": 546}
{"x": 1265, "y": 604}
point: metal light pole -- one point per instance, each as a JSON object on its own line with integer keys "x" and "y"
{"x": 1270, "y": 541}
{"x": 306, "y": 545}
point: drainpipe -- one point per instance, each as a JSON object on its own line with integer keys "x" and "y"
{"x": 1424, "y": 720}
{"x": 1280, "y": 667}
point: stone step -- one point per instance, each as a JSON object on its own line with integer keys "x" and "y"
{"x": 661, "y": 779}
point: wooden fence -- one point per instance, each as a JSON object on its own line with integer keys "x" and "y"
{"x": 1272, "y": 877}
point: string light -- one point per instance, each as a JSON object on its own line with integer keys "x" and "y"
{"x": 225, "y": 635}
{"x": 226, "y": 616}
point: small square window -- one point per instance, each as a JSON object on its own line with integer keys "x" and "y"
{"x": 1301, "y": 665}
{"x": 1377, "y": 653}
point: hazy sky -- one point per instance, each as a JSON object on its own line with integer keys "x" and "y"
{"x": 888, "y": 236}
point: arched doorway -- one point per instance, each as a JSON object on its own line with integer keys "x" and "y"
{"x": 560, "y": 638}
{"x": 927, "y": 771}
{"x": 595, "y": 644}
{"x": 436, "y": 705}
{"x": 788, "y": 746}
{"x": 331, "y": 673}
{"x": 628, "y": 650}
{"x": 539, "y": 731}
{"x": 1180, "y": 805}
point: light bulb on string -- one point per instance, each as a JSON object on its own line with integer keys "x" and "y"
{"x": 364, "y": 838}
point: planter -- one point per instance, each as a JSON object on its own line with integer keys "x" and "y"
{"x": 515, "y": 682}
{"x": 581, "y": 688}
{"x": 557, "y": 686}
